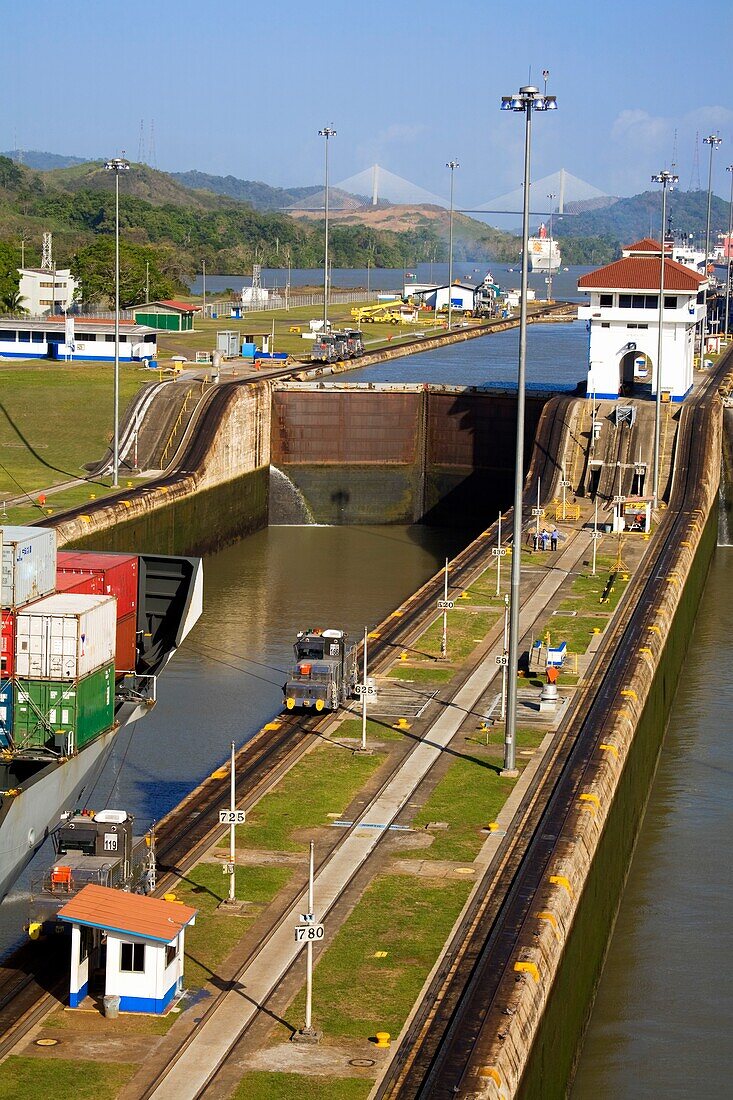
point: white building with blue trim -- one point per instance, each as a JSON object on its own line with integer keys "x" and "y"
{"x": 623, "y": 321}
{"x": 71, "y": 338}
{"x": 136, "y": 941}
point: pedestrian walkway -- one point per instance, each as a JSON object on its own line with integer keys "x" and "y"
{"x": 259, "y": 979}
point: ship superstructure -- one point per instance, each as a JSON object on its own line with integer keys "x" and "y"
{"x": 544, "y": 252}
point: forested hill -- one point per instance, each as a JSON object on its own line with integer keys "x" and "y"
{"x": 260, "y": 195}
{"x": 631, "y": 219}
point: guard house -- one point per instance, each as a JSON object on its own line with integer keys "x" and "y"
{"x": 461, "y": 296}
{"x": 75, "y": 338}
{"x": 168, "y": 315}
{"x": 134, "y": 942}
{"x": 623, "y": 320}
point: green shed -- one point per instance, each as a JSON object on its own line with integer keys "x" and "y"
{"x": 169, "y": 316}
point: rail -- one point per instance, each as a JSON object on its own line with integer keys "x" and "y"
{"x": 176, "y": 427}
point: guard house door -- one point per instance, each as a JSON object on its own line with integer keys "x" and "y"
{"x": 636, "y": 374}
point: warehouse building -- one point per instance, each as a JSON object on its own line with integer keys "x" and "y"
{"x": 167, "y": 315}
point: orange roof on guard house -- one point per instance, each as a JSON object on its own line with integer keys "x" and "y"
{"x": 131, "y": 914}
{"x": 642, "y": 273}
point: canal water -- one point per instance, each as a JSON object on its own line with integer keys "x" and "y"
{"x": 225, "y": 682}
{"x": 661, "y": 1023}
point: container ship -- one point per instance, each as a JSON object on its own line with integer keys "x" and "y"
{"x": 84, "y": 637}
{"x": 544, "y": 253}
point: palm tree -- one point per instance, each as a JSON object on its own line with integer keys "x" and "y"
{"x": 13, "y": 302}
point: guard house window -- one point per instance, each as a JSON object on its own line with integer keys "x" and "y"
{"x": 86, "y": 939}
{"x": 171, "y": 953}
{"x": 7, "y": 335}
{"x": 670, "y": 301}
{"x": 605, "y": 324}
{"x": 606, "y": 300}
{"x": 25, "y": 335}
{"x": 132, "y": 958}
{"x": 701, "y": 297}
{"x": 638, "y": 301}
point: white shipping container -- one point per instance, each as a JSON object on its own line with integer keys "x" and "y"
{"x": 65, "y": 636}
{"x": 28, "y": 564}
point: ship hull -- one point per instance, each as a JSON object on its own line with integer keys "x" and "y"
{"x": 29, "y": 816}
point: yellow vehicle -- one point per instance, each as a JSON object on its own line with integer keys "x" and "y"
{"x": 394, "y": 312}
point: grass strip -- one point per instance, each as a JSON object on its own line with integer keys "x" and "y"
{"x": 323, "y": 782}
{"x": 469, "y": 796}
{"x": 464, "y": 627}
{"x": 420, "y": 675}
{"x": 262, "y": 1085}
{"x": 23, "y": 1078}
{"x": 356, "y": 992}
{"x": 215, "y": 934}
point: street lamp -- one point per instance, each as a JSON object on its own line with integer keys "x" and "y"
{"x": 452, "y": 164}
{"x": 729, "y": 251}
{"x": 326, "y": 133}
{"x": 552, "y": 198}
{"x": 117, "y": 165}
{"x": 713, "y": 141}
{"x": 527, "y": 100}
{"x": 667, "y": 180}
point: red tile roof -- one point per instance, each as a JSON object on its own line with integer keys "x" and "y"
{"x": 641, "y": 273}
{"x": 185, "y": 307}
{"x": 646, "y": 244}
{"x": 133, "y": 914}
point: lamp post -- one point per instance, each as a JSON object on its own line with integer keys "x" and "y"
{"x": 117, "y": 165}
{"x": 729, "y": 251}
{"x": 326, "y": 133}
{"x": 667, "y": 180}
{"x": 713, "y": 141}
{"x": 552, "y": 211}
{"x": 527, "y": 100}
{"x": 452, "y": 164}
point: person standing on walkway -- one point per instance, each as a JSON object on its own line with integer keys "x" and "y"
{"x": 553, "y": 539}
{"x": 545, "y": 539}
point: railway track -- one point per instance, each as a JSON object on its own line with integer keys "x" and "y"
{"x": 29, "y": 989}
{"x": 456, "y": 1019}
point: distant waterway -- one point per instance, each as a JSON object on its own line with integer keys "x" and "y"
{"x": 225, "y": 682}
{"x": 662, "y": 1020}
{"x": 564, "y": 283}
{"x": 557, "y": 358}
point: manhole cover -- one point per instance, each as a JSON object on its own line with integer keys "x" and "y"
{"x": 361, "y": 1063}
{"x": 47, "y": 1042}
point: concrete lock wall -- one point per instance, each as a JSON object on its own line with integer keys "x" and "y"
{"x": 398, "y": 454}
{"x": 545, "y": 996}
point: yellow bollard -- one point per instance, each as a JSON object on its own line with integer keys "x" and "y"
{"x": 382, "y": 1040}
{"x": 402, "y": 724}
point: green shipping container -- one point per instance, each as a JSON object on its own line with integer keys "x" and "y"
{"x": 45, "y": 709}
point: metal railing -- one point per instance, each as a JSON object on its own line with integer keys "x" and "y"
{"x": 279, "y": 300}
{"x": 175, "y": 429}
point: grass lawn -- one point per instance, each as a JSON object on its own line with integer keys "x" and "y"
{"x": 89, "y": 493}
{"x": 377, "y": 730}
{"x": 469, "y": 796}
{"x": 45, "y": 439}
{"x": 323, "y": 782}
{"x": 465, "y": 628}
{"x": 38, "y": 1079}
{"x": 214, "y": 935}
{"x": 357, "y": 994}
{"x": 299, "y": 1086}
{"x": 434, "y": 674}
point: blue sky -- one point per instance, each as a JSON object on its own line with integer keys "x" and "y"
{"x": 242, "y": 89}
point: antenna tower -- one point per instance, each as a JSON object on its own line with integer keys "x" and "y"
{"x": 141, "y": 143}
{"x": 695, "y": 174}
{"x": 47, "y": 252}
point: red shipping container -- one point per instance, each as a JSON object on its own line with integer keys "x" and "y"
{"x": 7, "y": 644}
{"x": 89, "y": 584}
{"x": 125, "y": 648}
{"x": 118, "y": 571}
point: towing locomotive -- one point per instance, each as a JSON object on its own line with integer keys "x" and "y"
{"x": 323, "y": 673}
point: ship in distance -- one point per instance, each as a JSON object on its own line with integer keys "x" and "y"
{"x": 85, "y": 636}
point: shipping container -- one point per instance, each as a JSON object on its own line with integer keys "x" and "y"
{"x": 65, "y": 637}
{"x": 126, "y": 647}
{"x": 62, "y": 715}
{"x": 6, "y": 713}
{"x": 7, "y": 644}
{"x": 88, "y": 584}
{"x": 28, "y": 564}
{"x": 119, "y": 573}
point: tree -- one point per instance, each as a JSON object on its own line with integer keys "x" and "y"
{"x": 12, "y": 302}
{"x": 94, "y": 266}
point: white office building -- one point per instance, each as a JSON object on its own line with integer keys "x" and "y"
{"x": 623, "y": 321}
{"x": 46, "y": 291}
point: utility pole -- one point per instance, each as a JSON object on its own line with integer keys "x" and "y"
{"x": 445, "y": 602}
{"x": 498, "y": 559}
{"x": 596, "y": 536}
{"x": 452, "y": 164}
{"x": 203, "y": 312}
{"x": 713, "y": 141}
{"x": 505, "y": 662}
{"x": 326, "y": 133}
{"x": 309, "y": 932}
{"x": 729, "y": 253}
{"x": 232, "y": 828}
{"x": 364, "y": 698}
{"x": 667, "y": 180}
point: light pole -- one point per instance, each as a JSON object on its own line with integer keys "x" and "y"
{"x": 667, "y": 180}
{"x": 713, "y": 141}
{"x": 527, "y": 100}
{"x": 452, "y": 164}
{"x": 117, "y": 165}
{"x": 729, "y": 251}
{"x": 552, "y": 211}
{"x": 326, "y": 133}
